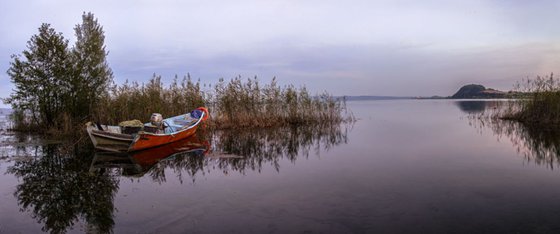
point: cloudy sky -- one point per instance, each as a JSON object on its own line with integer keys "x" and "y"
{"x": 396, "y": 47}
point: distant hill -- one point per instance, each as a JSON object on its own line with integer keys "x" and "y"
{"x": 472, "y": 91}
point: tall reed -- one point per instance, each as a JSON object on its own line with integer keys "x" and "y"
{"x": 237, "y": 103}
{"x": 542, "y": 103}
{"x": 247, "y": 104}
{"x": 133, "y": 100}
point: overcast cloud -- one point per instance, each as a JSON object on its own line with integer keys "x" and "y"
{"x": 406, "y": 48}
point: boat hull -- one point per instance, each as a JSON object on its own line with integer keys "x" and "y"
{"x": 109, "y": 141}
{"x": 148, "y": 140}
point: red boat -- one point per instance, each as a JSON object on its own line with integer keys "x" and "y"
{"x": 155, "y": 133}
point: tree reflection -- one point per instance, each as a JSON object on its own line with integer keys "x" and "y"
{"x": 59, "y": 190}
{"x": 538, "y": 144}
{"x": 62, "y": 184}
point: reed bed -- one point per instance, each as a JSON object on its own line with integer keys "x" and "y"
{"x": 133, "y": 100}
{"x": 237, "y": 103}
{"x": 541, "y": 105}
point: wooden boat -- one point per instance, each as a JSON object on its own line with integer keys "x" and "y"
{"x": 119, "y": 139}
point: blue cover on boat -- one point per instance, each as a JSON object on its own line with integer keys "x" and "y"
{"x": 196, "y": 114}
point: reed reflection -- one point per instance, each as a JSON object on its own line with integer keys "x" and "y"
{"x": 224, "y": 151}
{"x": 538, "y": 144}
{"x": 58, "y": 189}
{"x": 270, "y": 146}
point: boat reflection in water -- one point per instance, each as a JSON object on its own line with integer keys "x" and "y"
{"x": 184, "y": 154}
{"x": 68, "y": 185}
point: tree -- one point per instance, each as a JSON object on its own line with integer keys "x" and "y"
{"x": 40, "y": 76}
{"x": 92, "y": 74}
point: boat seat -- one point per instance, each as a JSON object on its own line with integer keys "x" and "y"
{"x": 183, "y": 122}
{"x": 170, "y": 128}
{"x": 113, "y": 129}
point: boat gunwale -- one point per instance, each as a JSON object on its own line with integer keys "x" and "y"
{"x": 112, "y": 135}
{"x": 140, "y": 135}
{"x": 173, "y": 133}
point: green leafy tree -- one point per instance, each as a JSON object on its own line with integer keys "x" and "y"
{"x": 92, "y": 74}
{"x": 53, "y": 82}
{"x": 40, "y": 76}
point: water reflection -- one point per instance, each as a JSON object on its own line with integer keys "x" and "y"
{"x": 65, "y": 184}
{"x": 477, "y": 106}
{"x": 224, "y": 151}
{"x": 59, "y": 190}
{"x": 185, "y": 155}
{"x": 538, "y": 144}
{"x": 269, "y": 147}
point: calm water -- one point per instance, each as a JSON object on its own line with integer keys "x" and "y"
{"x": 406, "y": 166}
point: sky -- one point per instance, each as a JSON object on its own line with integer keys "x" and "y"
{"x": 391, "y": 48}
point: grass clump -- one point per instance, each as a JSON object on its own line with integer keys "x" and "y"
{"x": 248, "y": 104}
{"x": 133, "y": 100}
{"x": 237, "y": 103}
{"x": 541, "y": 105}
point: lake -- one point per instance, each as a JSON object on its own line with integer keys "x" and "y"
{"x": 405, "y": 166}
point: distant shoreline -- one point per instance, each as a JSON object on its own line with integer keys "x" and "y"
{"x": 368, "y": 98}
{"x": 380, "y": 98}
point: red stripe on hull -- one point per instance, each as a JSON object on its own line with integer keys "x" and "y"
{"x": 147, "y": 140}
